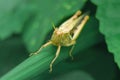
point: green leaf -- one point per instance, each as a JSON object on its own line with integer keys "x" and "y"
{"x": 109, "y": 15}
{"x": 39, "y": 63}
{"x": 75, "y": 75}
{"x": 12, "y": 52}
{"x": 94, "y": 63}
{"x": 13, "y": 17}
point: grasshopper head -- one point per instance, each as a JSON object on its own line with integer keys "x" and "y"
{"x": 60, "y": 38}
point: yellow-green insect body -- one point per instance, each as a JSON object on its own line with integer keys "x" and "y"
{"x": 66, "y": 34}
{"x": 61, "y": 38}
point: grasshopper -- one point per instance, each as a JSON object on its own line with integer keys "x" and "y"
{"x": 66, "y": 34}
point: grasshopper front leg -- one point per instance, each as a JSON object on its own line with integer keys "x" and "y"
{"x": 56, "y": 55}
{"x": 45, "y": 45}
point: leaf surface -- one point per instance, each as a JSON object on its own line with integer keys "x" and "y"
{"x": 108, "y": 15}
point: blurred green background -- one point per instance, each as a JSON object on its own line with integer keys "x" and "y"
{"x": 26, "y": 24}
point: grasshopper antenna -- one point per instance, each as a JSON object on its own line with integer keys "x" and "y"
{"x": 53, "y": 25}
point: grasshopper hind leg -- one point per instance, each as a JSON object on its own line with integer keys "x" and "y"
{"x": 45, "y": 45}
{"x": 75, "y": 16}
{"x": 56, "y": 55}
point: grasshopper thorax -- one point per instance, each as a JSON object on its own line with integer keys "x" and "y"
{"x": 59, "y": 37}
